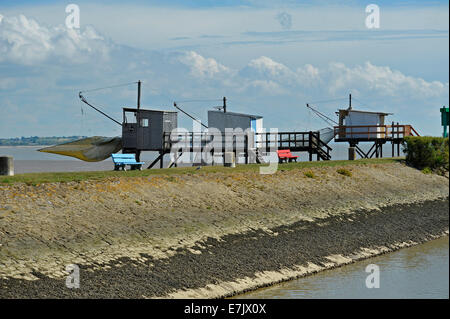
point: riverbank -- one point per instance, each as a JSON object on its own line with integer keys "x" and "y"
{"x": 209, "y": 233}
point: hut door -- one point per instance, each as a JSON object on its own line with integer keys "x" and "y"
{"x": 129, "y": 131}
{"x": 144, "y": 132}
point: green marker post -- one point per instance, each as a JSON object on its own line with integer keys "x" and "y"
{"x": 444, "y": 120}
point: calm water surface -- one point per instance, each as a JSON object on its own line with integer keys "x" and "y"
{"x": 416, "y": 272}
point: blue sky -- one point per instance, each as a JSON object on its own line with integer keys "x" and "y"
{"x": 267, "y": 57}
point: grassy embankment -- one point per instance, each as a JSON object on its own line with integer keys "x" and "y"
{"x": 40, "y": 178}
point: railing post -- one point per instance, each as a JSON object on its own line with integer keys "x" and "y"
{"x": 318, "y": 146}
{"x": 246, "y": 148}
{"x": 310, "y": 145}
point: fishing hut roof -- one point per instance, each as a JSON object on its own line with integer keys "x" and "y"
{"x": 130, "y": 109}
{"x": 361, "y": 111}
{"x": 256, "y": 117}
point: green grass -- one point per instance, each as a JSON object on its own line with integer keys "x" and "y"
{"x": 39, "y": 178}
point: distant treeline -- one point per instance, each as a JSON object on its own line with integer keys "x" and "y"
{"x": 36, "y": 140}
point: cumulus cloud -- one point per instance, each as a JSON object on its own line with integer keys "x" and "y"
{"x": 202, "y": 67}
{"x": 276, "y": 72}
{"x": 337, "y": 78}
{"x": 309, "y": 71}
{"x": 382, "y": 80}
{"x": 266, "y": 67}
{"x": 25, "y": 41}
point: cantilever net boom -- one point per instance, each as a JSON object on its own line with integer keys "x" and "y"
{"x": 91, "y": 149}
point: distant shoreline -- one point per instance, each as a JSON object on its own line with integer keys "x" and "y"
{"x": 23, "y": 146}
{"x": 37, "y": 141}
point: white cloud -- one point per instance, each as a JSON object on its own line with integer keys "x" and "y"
{"x": 202, "y": 67}
{"x": 271, "y": 77}
{"x": 277, "y": 73}
{"x": 267, "y": 68}
{"x": 25, "y": 41}
{"x": 382, "y": 80}
{"x": 308, "y": 71}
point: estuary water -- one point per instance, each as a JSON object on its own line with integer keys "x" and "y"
{"x": 420, "y": 271}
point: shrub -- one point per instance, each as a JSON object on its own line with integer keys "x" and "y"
{"x": 427, "y": 170}
{"x": 426, "y": 151}
{"x": 310, "y": 174}
{"x": 344, "y": 172}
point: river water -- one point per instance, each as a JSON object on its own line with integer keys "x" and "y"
{"x": 420, "y": 271}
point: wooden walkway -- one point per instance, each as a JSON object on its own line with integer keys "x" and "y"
{"x": 250, "y": 146}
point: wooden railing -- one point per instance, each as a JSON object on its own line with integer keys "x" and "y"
{"x": 319, "y": 146}
{"x": 369, "y": 132}
{"x": 282, "y": 140}
{"x": 295, "y": 141}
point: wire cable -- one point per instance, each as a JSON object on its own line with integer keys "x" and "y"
{"x": 325, "y": 118}
{"x": 109, "y": 87}
{"x": 328, "y": 101}
{"x": 195, "y": 101}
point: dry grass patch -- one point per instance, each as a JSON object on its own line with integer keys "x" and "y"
{"x": 344, "y": 172}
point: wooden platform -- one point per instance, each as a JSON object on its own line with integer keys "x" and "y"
{"x": 373, "y": 133}
{"x": 376, "y": 134}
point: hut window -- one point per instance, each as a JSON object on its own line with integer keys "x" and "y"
{"x": 130, "y": 117}
{"x": 144, "y": 122}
